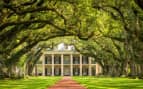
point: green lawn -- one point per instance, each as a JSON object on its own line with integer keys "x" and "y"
{"x": 89, "y": 82}
{"x": 30, "y": 83}
{"x": 109, "y": 83}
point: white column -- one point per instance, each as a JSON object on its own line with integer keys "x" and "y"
{"x": 62, "y": 66}
{"x": 36, "y": 74}
{"x": 89, "y": 69}
{"x": 52, "y": 64}
{"x": 34, "y": 71}
{"x": 80, "y": 64}
{"x": 71, "y": 64}
{"x": 97, "y": 69}
{"x": 43, "y": 64}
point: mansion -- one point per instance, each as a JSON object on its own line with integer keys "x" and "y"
{"x": 66, "y": 62}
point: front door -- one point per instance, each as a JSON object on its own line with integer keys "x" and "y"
{"x": 66, "y": 71}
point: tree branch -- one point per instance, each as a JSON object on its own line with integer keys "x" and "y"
{"x": 30, "y": 22}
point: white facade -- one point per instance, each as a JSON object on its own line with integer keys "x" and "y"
{"x": 66, "y": 63}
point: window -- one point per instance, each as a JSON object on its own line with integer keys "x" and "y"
{"x": 85, "y": 60}
{"x": 76, "y": 60}
{"x": 48, "y": 59}
{"x": 57, "y": 59}
{"x": 66, "y": 59}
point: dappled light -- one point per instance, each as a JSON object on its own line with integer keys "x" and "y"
{"x": 72, "y": 38}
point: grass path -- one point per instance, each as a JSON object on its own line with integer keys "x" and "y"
{"x": 109, "y": 83}
{"x": 31, "y": 83}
